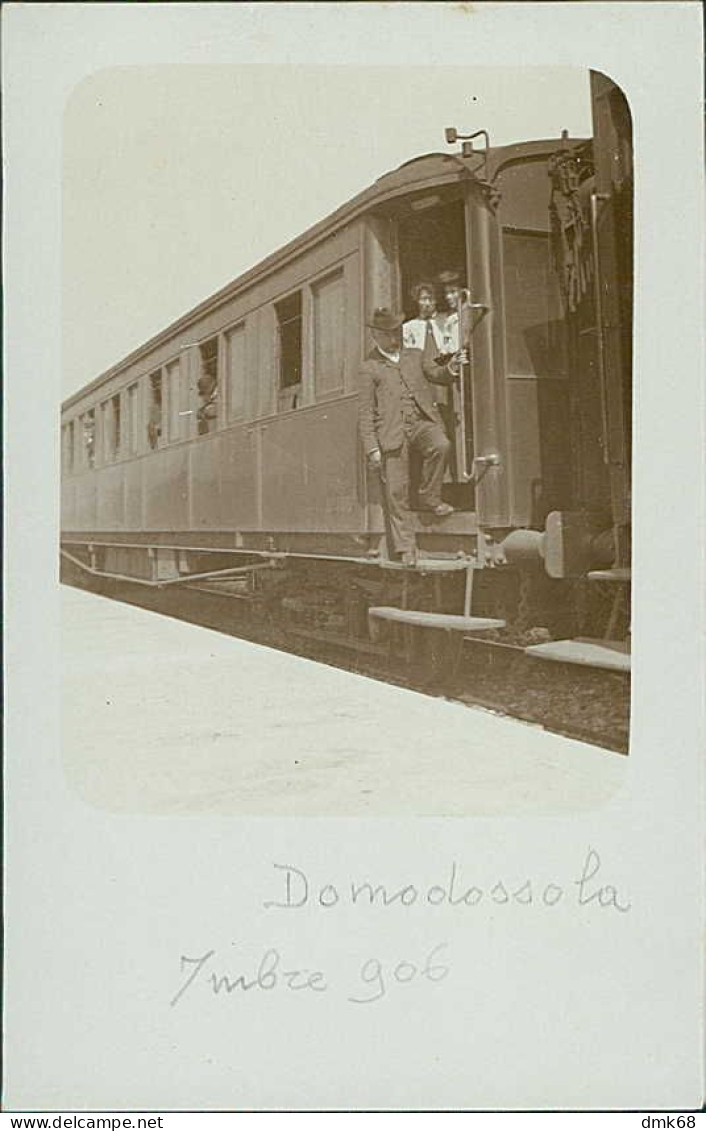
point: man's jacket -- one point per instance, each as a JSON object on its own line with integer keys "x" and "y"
{"x": 382, "y": 390}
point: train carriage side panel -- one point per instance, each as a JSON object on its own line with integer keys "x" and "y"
{"x": 239, "y": 464}
{"x": 204, "y": 471}
{"x": 486, "y": 365}
{"x": 134, "y": 494}
{"x": 68, "y": 500}
{"x": 86, "y": 510}
{"x": 309, "y": 455}
{"x": 218, "y": 481}
{"x": 167, "y": 481}
{"x": 110, "y": 489}
{"x": 304, "y": 477}
{"x": 309, "y": 461}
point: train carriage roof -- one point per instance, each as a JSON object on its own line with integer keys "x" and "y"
{"x": 427, "y": 171}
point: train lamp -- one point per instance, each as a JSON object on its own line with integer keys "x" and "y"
{"x": 452, "y": 136}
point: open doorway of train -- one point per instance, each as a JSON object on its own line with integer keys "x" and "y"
{"x": 431, "y": 239}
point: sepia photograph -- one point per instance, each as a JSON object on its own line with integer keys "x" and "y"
{"x": 354, "y": 361}
{"x": 397, "y": 444}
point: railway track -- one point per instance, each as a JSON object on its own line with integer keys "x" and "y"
{"x": 588, "y": 705}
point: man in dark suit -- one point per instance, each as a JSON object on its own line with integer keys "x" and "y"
{"x": 399, "y": 415}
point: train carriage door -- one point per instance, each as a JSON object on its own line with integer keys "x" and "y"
{"x": 431, "y": 240}
{"x": 611, "y": 213}
{"x": 486, "y": 446}
{"x": 526, "y": 346}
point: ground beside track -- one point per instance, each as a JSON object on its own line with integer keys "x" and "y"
{"x": 587, "y": 704}
{"x": 162, "y": 716}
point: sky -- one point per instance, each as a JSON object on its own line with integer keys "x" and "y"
{"x": 177, "y": 178}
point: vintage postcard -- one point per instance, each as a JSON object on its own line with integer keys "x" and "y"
{"x": 355, "y": 557}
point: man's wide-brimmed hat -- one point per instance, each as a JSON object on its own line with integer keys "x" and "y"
{"x": 385, "y": 319}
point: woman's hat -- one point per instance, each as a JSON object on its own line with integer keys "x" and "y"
{"x": 450, "y": 278}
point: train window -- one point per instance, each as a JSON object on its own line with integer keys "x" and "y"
{"x": 289, "y": 338}
{"x": 67, "y": 449}
{"x": 236, "y": 360}
{"x": 154, "y": 413}
{"x": 173, "y": 373}
{"x": 104, "y": 430}
{"x": 329, "y": 297}
{"x": 132, "y": 422}
{"x": 111, "y": 427}
{"x": 207, "y": 386}
{"x": 88, "y": 429}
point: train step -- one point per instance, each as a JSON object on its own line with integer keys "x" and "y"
{"x": 446, "y": 621}
{"x": 619, "y": 574}
{"x": 613, "y": 655}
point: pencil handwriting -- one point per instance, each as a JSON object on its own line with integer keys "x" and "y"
{"x": 296, "y": 889}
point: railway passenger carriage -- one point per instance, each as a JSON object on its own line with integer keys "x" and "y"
{"x": 230, "y": 439}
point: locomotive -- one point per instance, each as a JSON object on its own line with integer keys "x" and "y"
{"x": 224, "y": 451}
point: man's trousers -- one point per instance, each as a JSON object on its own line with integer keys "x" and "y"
{"x": 431, "y": 443}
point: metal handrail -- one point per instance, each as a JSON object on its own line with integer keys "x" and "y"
{"x": 467, "y": 474}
